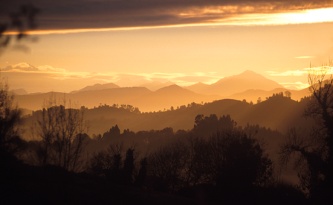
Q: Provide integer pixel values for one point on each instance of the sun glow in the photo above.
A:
(320, 15)
(300, 17)
(308, 16)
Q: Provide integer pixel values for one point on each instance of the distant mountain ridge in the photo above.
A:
(247, 85)
(143, 98)
(254, 94)
(237, 83)
(98, 87)
(155, 85)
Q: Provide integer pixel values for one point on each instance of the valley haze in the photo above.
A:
(166, 102)
(247, 85)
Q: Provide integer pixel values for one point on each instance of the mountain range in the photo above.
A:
(235, 84)
(247, 85)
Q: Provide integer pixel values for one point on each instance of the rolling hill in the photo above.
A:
(277, 113)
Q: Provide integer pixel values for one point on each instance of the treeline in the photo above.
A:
(217, 161)
(216, 167)
(278, 113)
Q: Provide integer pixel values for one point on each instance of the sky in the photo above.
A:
(132, 42)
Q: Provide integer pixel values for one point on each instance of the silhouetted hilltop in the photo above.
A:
(277, 112)
(172, 88)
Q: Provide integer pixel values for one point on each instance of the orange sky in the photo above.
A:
(278, 45)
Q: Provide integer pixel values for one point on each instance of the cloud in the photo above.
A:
(26, 67)
(324, 69)
(304, 57)
(295, 85)
(88, 14)
(20, 67)
(183, 79)
(48, 68)
(288, 73)
(46, 71)
(25, 75)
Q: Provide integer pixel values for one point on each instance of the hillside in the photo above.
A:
(237, 83)
(277, 112)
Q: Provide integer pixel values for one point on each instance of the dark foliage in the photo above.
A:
(314, 150)
(20, 21)
(215, 162)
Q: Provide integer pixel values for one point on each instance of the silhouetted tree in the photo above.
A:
(113, 132)
(129, 166)
(259, 100)
(206, 125)
(238, 161)
(196, 171)
(287, 93)
(10, 117)
(20, 22)
(99, 164)
(315, 151)
(62, 132)
(229, 160)
(167, 165)
(139, 181)
(308, 155)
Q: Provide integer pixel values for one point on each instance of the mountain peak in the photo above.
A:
(240, 83)
(170, 87)
(249, 72)
(174, 89)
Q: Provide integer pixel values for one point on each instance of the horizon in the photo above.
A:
(166, 102)
(200, 42)
(141, 81)
(124, 80)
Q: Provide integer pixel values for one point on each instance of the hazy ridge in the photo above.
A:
(247, 85)
(277, 113)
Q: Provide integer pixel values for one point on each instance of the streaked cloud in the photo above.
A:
(23, 75)
(304, 57)
(288, 73)
(303, 72)
(26, 67)
(295, 85)
(183, 79)
(89, 15)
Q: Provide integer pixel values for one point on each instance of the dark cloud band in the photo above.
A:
(64, 14)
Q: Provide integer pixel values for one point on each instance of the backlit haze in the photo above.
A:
(132, 43)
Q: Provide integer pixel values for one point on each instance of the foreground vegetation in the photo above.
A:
(217, 161)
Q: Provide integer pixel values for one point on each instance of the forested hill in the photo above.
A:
(277, 112)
